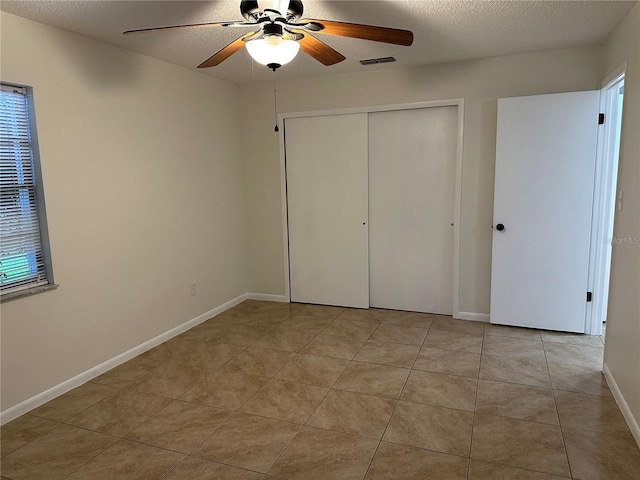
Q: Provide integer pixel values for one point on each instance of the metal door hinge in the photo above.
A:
(601, 119)
(589, 295)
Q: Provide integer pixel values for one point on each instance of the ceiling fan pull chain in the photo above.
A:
(275, 102)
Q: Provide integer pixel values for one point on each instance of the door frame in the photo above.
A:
(604, 199)
(459, 102)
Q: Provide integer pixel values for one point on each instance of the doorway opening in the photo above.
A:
(606, 201)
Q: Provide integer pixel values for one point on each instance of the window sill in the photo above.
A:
(27, 293)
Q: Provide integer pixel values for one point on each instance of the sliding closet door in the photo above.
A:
(326, 161)
(412, 167)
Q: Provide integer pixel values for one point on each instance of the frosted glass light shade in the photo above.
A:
(273, 50)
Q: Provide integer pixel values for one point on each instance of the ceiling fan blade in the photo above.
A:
(226, 52)
(356, 30)
(192, 25)
(319, 50)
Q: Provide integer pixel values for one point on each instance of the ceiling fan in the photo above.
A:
(281, 32)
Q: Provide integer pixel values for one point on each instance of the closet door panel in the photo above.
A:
(412, 168)
(327, 200)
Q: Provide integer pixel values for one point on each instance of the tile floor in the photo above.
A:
(306, 392)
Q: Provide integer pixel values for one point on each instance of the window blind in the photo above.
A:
(22, 264)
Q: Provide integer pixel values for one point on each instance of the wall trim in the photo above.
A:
(622, 404)
(613, 75)
(475, 317)
(266, 297)
(57, 390)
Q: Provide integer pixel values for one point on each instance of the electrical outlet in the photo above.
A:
(193, 288)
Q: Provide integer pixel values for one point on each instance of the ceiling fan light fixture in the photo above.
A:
(273, 50)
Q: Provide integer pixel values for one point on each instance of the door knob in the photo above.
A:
(500, 227)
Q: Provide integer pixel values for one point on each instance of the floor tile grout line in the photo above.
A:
(384, 432)
(311, 384)
(92, 458)
(249, 469)
(411, 370)
(174, 467)
(151, 445)
(556, 389)
(526, 469)
(271, 348)
(626, 435)
(511, 383)
(123, 390)
(555, 403)
(3, 455)
(366, 472)
(296, 434)
(342, 432)
(449, 352)
(475, 409)
(225, 463)
(78, 413)
(426, 449)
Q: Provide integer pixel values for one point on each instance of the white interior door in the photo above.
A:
(545, 164)
(326, 162)
(412, 168)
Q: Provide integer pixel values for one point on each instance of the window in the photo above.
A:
(24, 257)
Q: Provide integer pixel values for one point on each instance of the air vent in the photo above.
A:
(374, 61)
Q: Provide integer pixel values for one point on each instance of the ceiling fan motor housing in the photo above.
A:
(252, 10)
(272, 29)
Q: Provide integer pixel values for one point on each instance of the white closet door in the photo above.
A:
(326, 161)
(412, 167)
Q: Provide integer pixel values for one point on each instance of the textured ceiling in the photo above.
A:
(444, 31)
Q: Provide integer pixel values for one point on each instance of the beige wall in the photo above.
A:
(143, 186)
(622, 351)
(479, 82)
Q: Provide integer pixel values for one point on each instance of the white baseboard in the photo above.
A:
(53, 392)
(475, 317)
(265, 297)
(622, 404)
